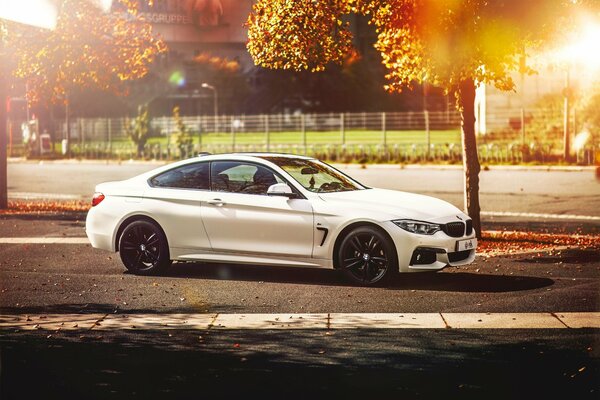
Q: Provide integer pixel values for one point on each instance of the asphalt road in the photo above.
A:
(502, 190)
(75, 277)
(37, 279)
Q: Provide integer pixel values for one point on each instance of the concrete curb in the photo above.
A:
(568, 168)
(331, 321)
(73, 161)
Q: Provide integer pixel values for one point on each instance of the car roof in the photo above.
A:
(268, 155)
(246, 156)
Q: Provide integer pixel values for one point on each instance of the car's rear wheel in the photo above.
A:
(367, 256)
(143, 248)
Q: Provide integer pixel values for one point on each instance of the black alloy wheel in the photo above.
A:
(367, 257)
(143, 248)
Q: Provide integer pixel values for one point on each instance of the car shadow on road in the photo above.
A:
(440, 281)
(570, 256)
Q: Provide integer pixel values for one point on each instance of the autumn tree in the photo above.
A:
(182, 135)
(591, 114)
(452, 44)
(87, 49)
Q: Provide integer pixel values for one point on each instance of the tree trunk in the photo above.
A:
(3, 133)
(466, 104)
(140, 149)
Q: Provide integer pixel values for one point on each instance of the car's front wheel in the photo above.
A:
(367, 256)
(143, 248)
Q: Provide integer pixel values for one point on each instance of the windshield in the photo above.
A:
(315, 175)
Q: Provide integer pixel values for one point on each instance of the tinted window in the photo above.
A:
(192, 176)
(240, 177)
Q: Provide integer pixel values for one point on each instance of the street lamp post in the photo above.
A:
(216, 102)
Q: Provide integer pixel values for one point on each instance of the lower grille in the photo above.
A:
(454, 229)
(459, 255)
(423, 257)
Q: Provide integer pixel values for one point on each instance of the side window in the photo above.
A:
(192, 176)
(240, 177)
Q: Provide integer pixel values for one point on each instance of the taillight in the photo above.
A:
(97, 199)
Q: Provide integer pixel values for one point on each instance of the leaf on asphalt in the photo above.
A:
(495, 242)
(45, 206)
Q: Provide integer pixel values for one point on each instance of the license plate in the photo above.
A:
(468, 244)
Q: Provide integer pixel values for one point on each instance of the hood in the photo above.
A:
(392, 204)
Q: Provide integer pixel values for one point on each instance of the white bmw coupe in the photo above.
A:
(275, 209)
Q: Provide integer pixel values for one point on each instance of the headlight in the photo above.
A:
(422, 228)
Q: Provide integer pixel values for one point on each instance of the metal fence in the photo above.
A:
(518, 136)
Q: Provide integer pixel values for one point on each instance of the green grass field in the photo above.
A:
(333, 138)
(324, 138)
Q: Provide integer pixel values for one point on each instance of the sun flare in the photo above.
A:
(583, 47)
(40, 13)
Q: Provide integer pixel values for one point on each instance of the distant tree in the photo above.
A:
(138, 130)
(183, 137)
(591, 114)
(88, 49)
(452, 44)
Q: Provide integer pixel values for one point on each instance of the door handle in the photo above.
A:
(216, 202)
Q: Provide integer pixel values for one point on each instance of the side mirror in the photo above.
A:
(281, 189)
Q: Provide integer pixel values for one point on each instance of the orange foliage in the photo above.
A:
(443, 42)
(44, 206)
(518, 242)
(217, 63)
(298, 34)
(88, 49)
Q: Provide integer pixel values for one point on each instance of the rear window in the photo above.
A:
(191, 176)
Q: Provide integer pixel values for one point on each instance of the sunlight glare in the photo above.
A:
(104, 5)
(40, 13)
(584, 47)
(580, 140)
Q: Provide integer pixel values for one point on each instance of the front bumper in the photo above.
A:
(436, 251)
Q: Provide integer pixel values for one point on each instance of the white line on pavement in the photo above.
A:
(117, 322)
(43, 196)
(44, 240)
(539, 215)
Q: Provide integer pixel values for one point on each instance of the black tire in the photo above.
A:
(143, 248)
(367, 257)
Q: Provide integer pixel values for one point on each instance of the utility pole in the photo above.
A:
(566, 133)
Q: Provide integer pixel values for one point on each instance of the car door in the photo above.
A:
(241, 217)
(174, 200)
